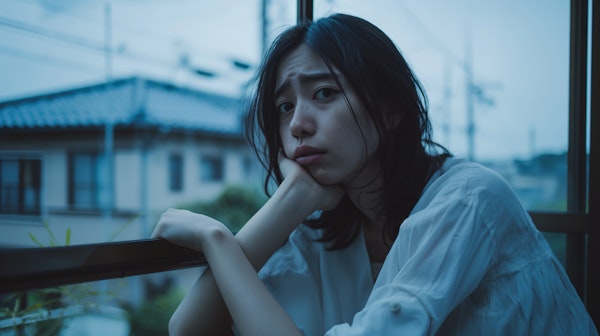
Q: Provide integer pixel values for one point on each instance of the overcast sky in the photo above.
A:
(519, 55)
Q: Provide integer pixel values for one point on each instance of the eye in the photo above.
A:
(324, 93)
(285, 107)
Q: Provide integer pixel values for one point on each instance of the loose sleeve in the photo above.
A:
(439, 257)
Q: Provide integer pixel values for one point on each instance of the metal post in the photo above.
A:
(593, 257)
(305, 10)
(576, 160)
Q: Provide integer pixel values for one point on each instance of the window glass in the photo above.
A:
(507, 80)
(88, 183)
(9, 176)
(558, 243)
(83, 174)
(176, 172)
(31, 186)
(20, 186)
(211, 169)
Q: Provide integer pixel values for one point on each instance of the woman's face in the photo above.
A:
(318, 129)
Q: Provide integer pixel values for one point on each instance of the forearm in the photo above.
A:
(268, 229)
(253, 308)
(203, 311)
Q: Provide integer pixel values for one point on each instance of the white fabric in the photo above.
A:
(467, 261)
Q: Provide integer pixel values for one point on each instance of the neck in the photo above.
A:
(366, 192)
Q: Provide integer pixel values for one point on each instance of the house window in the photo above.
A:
(176, 172)
(247, 166)
(87, 181)
(20, 186)
(211, 169)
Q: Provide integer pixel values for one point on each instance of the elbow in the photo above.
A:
(176, 328)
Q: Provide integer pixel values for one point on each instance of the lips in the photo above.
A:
(305, 155)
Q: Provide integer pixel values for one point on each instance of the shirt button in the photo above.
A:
(395, 307)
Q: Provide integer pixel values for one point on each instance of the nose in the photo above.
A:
(303, 123)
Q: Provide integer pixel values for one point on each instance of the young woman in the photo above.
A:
(397, 237)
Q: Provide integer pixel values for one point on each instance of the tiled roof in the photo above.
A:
(124, 102)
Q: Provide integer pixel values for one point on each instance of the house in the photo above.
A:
(100, 163)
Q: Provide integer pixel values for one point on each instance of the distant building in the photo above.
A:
(103, 161)
(540, 182)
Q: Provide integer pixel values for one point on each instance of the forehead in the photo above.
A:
(302, 60)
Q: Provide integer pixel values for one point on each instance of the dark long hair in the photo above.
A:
(390, 94)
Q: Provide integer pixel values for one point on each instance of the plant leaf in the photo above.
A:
(32, 237)
(54, 241)
(68, 237)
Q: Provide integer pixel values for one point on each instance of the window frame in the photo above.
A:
(96, 187)
(21, 185)
(216, 171)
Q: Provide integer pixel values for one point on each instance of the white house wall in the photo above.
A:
(161, 197)
(127, 180)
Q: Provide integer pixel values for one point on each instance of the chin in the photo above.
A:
(326, 178)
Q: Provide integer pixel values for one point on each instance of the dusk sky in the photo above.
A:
(519, 55)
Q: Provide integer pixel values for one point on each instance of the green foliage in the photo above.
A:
(233, 207)
(53, 241)
(31, 308)
(558, 244)
(152, 317)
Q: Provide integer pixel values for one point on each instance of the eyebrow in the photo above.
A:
(303, 78)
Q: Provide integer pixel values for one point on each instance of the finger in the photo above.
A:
(157, 230)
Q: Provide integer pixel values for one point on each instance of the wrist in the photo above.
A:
(298, 195)
(213, 236)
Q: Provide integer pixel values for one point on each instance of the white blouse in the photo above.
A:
(467, 261)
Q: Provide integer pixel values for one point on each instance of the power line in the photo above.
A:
(139, 32)
(474, 92)
(94, 45)
(46, 59)
(78, 41)
(106, 49)
(433, 39)
(71, 39)
(99, 21)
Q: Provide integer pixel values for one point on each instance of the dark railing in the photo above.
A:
(33, 268)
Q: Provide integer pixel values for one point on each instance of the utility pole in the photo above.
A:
(474, 93)
(108, 40)
(446, 102)
(264, 13)
(108, 188)
(470, 88)
(108, 198)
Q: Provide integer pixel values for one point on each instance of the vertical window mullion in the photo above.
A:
(21, 188)
(576, 176)
(593, 253)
